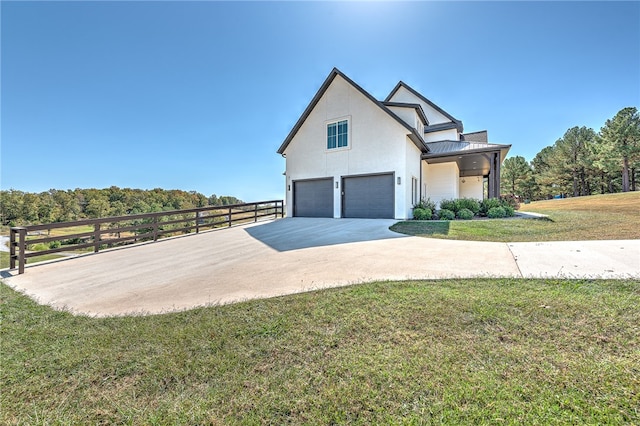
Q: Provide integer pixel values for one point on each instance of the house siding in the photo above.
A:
(377, 144)
(472, 187)
(442, 182)
(443, 135)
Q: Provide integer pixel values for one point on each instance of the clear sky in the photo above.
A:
(200, 95)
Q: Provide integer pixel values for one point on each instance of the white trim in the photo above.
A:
(346, 118)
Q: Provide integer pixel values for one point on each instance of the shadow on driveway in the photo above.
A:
(301, 232)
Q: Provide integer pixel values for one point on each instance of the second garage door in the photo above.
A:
(369, 197)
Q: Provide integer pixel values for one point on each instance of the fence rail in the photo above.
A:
(108, 231)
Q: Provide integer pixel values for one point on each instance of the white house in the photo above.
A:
(350, 155)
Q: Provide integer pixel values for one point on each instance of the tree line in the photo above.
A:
(24, 208)
(581, 162)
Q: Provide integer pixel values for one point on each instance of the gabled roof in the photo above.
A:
(417, 107)
(427, 101)
(413, 134)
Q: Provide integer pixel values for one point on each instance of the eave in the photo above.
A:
(471, 162)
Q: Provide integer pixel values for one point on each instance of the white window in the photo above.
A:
(338, 134)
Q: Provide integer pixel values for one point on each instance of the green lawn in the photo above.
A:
(4, 259)
(420, 352)
(598, 217)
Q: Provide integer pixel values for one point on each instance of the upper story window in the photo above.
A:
(337, 134)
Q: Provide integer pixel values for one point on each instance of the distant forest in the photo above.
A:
(582, 162)
(24, 208)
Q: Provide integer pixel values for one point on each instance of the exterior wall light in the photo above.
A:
(289, 187)
(336, 184)
(399, 181)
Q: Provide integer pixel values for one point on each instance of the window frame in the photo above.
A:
(335, 124)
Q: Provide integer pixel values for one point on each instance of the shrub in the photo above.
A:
(446, 214)
(426, 204)
(488, 204)
(464, 214)
(510, 201)
(450, 205)
(37, 247)
(468, 203)
(496, 212)
(54, 244)
(421, 214)
(509, 211)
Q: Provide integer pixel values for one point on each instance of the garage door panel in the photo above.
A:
(313, 198)
(368, 197)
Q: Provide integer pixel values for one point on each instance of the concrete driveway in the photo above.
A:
(295, 255)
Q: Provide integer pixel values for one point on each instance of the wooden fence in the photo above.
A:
(108, 231)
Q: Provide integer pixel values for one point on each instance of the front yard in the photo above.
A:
(419, 352)
(598, 217)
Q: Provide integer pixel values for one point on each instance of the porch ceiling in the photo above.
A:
(470, 162)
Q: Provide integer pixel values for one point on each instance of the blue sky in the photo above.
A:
(200, 95)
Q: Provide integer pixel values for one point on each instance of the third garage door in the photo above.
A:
(368, 196)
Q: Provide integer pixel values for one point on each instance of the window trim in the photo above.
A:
(336, 121)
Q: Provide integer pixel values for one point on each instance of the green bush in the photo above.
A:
(510, 201)
(446, 214)
(496, 212)
(421, 214)
(465, 214)
(38, 247)
(426, 204)
(488, 204)
(450, 205)
(468, 203)
(54, 244)
(509, 211)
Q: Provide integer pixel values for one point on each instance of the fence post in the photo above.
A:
(255, 212)
(22, 245)
(281, 208)
(96, 237)
(12, 248)
(229, 216)
(197, 222)
(155, 228)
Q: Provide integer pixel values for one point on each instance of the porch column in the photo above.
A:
(497, 173)
(494, 175)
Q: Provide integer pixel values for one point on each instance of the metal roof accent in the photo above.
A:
(413, 135)
(449, 147)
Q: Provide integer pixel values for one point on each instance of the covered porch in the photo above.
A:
(473, 162)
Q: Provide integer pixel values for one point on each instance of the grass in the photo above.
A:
(4, 259)
(597, 217)
(419, 352)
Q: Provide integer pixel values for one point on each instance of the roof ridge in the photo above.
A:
(422, 97)
(417, 139)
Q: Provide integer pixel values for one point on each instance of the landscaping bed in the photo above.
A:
(598, 217)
